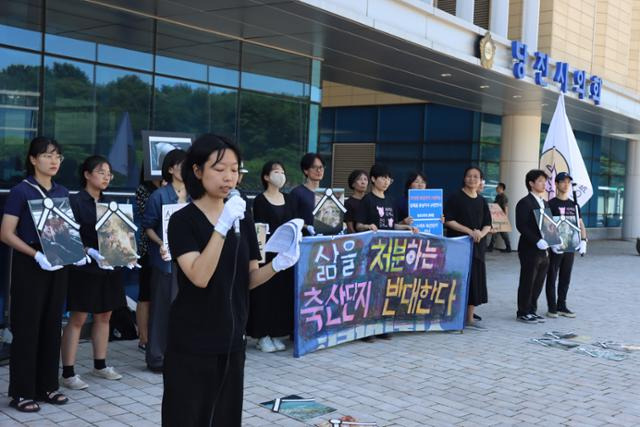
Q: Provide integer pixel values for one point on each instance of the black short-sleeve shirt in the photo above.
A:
(563, 207)
(472, 213)
(377, 211)
(201, 319)
(352, 205)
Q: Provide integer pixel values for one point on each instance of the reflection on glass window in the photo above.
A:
(19, 97)
(223, 111)
(181, 106)
(20, 23)
(20, 37)
(70, 47)
(129, 58)
(272, 71)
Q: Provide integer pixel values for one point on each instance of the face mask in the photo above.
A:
(277, 179)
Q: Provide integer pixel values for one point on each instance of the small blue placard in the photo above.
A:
(425, 207)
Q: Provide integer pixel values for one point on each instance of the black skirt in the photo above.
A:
(478, 283)
(89, 292)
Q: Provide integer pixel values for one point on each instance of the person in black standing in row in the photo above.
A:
(37, 287)
(303, 197)
(561, 263)
(143, 192)
(532, 248)
(502, 201)
(415, 181)
(93, 288)
(467, 214)
(271, 305)
(204, 363)
(358, 181)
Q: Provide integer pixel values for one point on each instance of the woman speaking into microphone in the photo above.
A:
(217, 266)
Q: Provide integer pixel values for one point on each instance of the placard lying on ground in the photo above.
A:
(354, 286)
(425, 207)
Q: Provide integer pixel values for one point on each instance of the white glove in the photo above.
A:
(311, 230)
(84, 261)
(233, 210)
(542, 245)
(583, 247)
(133, 265)
(44, 263)
(283, 261)
(99, 259)
(556, 249)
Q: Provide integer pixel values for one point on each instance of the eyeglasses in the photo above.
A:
(317, 168)
(52, 156)
(107, 175)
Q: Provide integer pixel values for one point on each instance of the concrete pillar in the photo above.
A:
(530, 23)
(464, 9)
(520, 152)
(631, 214)
(499, 17)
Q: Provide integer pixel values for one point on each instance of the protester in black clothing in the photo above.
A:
(415, 181)
(93, 288)
(502, 201)
(561, 263)
(532, 248)
(358, 181)
(271, 305)
(303, 197)
(216, 268)
(467, 214)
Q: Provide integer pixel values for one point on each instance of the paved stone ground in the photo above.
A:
(440, 379)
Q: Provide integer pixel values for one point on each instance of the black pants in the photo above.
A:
(164, 288)
(37, 297)
(191, 384)
(505, 238)
(559, 264)
(533, 271)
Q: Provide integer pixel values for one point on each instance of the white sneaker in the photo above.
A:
(266, 345)
(107, 373)
(74, 383)
(279, 345)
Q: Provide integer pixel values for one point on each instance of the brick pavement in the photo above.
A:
(434, 379)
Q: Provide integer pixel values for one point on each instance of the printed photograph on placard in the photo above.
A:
(167, 211)
(60, 241)
(116, 238)
(298, 408)
(157, 145)
(569, 232)
(499, 220)
(262, 230)
(548, 227)
(328, 217)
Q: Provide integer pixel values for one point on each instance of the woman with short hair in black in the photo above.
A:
(37, 287)
(216, 266)
(271, 305)
(93, 288)
(415, 181)
(467, 214)
(358, 181)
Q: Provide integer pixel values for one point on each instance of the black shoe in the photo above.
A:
(566, 312)
(538, 318)
(505, 251)
(475, 316)
(527, 318)
(155, 369)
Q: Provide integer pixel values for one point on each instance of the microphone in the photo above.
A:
(236, 224)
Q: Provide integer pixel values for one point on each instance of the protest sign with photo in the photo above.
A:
(116, 233)
(425, 207)
(156, 145)
(569, 232)
(167, 211)
(262, 230)
(328, 214)
(548, 226)
(499, 220)
(353, 286)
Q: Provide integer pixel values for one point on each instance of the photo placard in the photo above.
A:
(156, 145)
(116, 233)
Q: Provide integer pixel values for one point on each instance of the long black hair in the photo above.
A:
(412, 177)
(89, 164)
(40, 145)
(173, 158)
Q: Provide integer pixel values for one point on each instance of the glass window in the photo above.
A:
(356, 124)
(127, 57)
(123, 104)
(273, 71)
(401, 123)
(181, 106)
(272, 128)
(448, 124)
(19, 98)
(69, 112)
(20, 23)
(223, 111)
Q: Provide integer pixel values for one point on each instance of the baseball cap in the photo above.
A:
(562, 176)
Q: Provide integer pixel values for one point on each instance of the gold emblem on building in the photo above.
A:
(487, 50)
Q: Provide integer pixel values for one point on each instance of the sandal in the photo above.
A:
(24, 405)
(55, 398)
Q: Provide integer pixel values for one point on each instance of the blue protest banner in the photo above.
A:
(353, 286)
(425, 207)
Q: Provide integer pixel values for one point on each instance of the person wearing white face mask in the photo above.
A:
(271, 305)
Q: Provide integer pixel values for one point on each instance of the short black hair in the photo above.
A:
(471, 168)
(412, 177)
(533, 175)
(354, 175)
(89, 164)
(307, 161)
(39, 145)
(501, 184)
(379, 170)
(266, 170)
(198, 154)
(173, 157)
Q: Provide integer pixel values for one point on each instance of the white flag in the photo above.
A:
(560, 153)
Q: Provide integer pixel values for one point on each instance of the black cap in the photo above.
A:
(562, 176)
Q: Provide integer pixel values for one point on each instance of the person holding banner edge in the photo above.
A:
(467, 214)
(37, 287)
(561, 263)
(358, 181)
(216, 267)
